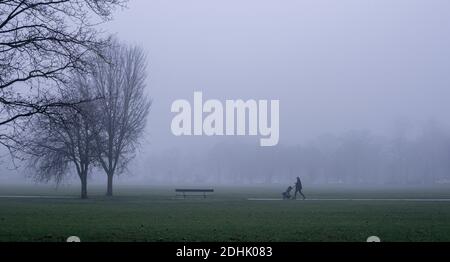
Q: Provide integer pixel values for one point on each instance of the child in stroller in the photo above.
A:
(287, 193)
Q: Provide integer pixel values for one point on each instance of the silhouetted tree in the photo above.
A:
(62, 141)
(123, 109)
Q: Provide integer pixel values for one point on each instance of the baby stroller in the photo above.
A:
(287, 194)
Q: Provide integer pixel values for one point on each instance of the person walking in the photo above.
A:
(298, 189)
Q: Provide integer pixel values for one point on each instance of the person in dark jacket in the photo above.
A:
(298, 189)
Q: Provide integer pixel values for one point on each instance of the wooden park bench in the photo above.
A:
(193, 192)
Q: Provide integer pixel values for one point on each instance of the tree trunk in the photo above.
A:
(109, 190)
(83, 186)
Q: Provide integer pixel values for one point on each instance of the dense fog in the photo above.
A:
(364, 90)
(354, 157)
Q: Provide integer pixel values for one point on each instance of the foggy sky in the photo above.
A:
(334, 65)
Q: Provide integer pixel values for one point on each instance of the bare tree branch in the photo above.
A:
(42, 44)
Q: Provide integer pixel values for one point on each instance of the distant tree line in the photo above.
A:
(355, 157)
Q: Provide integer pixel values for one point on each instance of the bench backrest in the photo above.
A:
(193, 190)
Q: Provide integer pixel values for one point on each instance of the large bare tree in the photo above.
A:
(62, 141)
(42, 43)
(123, 109)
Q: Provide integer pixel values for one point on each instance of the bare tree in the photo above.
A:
(63, 140)
(42, 43)
(123, 109)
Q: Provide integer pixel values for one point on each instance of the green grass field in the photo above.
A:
(153, 214)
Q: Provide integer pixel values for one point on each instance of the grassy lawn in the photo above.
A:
(153, 214)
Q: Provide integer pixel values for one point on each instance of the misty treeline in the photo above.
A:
(355, 157)
(71, 100)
